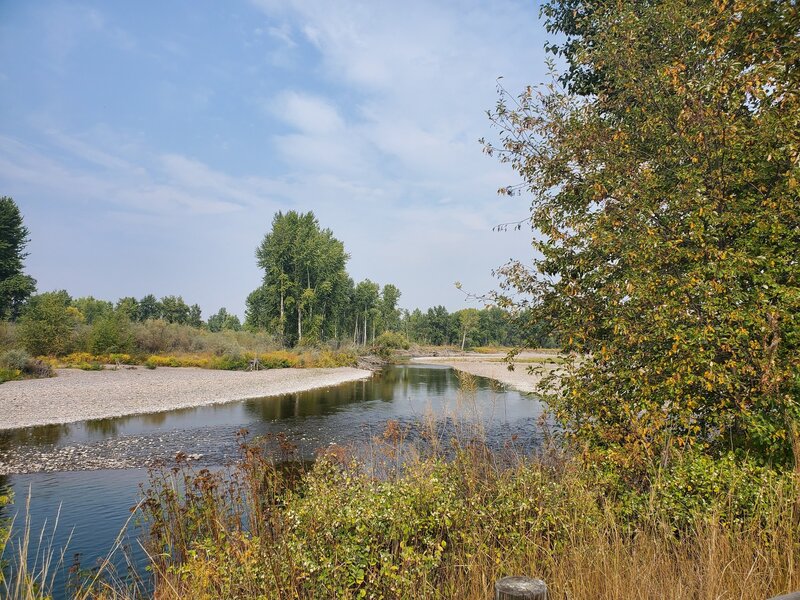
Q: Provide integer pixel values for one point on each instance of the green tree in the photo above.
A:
(47, 324)
(129, 306)
(365, 298)
(92, 309)
(223, 320)
(111, 333)
(665, 196)
(195, 318)
(468, 319)
(258, 313)
(389, 313)
(15, 286)
(149, 308)
(175, 310)
(304, 275)
(439, 327)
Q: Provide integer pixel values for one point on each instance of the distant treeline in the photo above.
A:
(306, 298)
(55, 323)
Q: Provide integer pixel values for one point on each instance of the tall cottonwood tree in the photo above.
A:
(664, 177)
(304, 278)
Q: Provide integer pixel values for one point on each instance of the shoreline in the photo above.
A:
(76, 395)
(491, 366)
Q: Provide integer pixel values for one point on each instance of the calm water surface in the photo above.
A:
(88, 473)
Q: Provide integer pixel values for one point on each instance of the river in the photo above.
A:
(88, 474)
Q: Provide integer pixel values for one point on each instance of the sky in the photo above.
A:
(148, 145)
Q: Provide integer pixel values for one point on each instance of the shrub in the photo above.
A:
(48, 324)
(19, 362)
(446, 528)
(9, 374)
(391, 340)
(14, 359)
(111, 333)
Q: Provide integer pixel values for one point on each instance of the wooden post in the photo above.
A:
(520, 588)
(792, 596)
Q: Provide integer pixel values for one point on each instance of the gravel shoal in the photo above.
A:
(492, 366)
(76, 395)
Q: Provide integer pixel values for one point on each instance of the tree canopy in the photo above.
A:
(15, 286)
(663, 167)
(304, 278)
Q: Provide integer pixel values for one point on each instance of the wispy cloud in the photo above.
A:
(174, 184)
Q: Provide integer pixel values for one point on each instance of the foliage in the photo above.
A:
(14, 359)
(92, 309)
(304, 277)
(6, 498)
(447, 528)
(16, 364)
(48, 324)
(9, 374)
(306, 296)
(664, 182)
(15, 287)
(223, 320)
(111, 333)
(388, 341)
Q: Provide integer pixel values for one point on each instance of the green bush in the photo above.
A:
(111, 333)
(14, 359)
(20, 362)
(695, 484)
(232, 361)
(9, 374)
(48, 324)
(388, 341)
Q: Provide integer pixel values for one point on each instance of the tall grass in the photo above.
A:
(436, 526)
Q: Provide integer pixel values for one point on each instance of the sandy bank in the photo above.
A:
(80, 395)
(493, 367)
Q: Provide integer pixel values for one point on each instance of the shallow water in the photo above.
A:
(93, 469)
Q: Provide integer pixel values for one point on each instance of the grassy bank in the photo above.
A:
(441, 527)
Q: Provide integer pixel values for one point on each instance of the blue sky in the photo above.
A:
(149, 144)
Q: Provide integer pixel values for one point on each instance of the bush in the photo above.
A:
(9, 374)
(19, 362)
(392, 341)
(48, 324)
(111, 333)
(446, 528)
(14, 359)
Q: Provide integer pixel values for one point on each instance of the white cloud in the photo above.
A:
(307, 113)
(175, 185)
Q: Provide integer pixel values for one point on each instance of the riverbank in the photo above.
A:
(494, 367)
(77, 395)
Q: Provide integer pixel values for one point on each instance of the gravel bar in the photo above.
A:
(492, 366)
(76, 395)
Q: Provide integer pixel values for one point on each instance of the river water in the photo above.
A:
(87, 474)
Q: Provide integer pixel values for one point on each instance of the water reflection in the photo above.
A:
(45, 434)
(345, 413)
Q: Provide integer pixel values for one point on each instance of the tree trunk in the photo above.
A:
(299, 323)
(283, 332)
